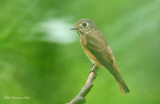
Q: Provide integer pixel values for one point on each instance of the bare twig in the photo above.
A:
(80, 98)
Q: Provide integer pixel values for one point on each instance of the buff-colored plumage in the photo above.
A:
(97, 49)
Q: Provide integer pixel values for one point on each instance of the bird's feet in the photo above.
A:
(94, 69)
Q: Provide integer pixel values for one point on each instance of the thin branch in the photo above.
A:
(80, 98)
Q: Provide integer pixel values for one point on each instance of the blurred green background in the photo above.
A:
(41, 58)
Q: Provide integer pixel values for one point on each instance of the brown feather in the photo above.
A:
(99, 52)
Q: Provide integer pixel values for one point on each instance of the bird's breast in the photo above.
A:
(92, 58)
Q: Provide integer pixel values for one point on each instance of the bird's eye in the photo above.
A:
(85, 24)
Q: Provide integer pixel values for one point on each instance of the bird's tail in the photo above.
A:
(122, 85)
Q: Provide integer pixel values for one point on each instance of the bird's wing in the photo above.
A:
(100, 49)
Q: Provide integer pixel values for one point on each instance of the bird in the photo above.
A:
(97, 49)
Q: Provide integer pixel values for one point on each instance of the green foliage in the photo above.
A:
(37, 62)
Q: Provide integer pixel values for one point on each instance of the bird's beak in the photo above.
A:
(74, 28)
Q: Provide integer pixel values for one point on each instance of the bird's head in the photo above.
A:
(84, 26)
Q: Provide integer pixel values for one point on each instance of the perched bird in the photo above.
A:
(97, 49)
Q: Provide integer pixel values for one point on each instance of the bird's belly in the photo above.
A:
(92, 58)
